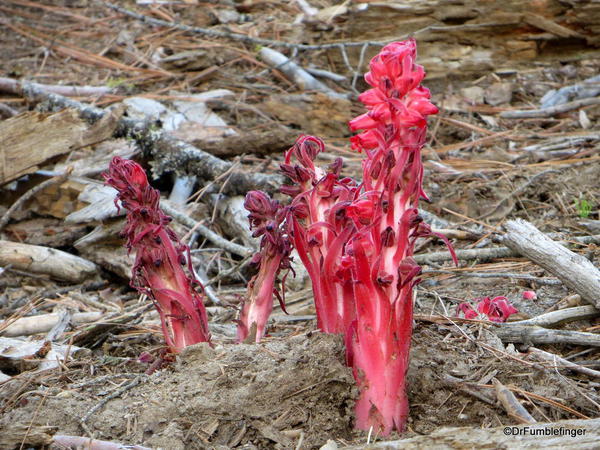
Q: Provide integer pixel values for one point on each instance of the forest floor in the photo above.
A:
(482, 169)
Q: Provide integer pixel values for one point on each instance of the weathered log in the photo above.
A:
(45, 260)
(30, 139)
(471, 37)
(572, 269)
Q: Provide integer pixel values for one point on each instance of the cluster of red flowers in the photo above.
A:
(356, 240)
(497, 309)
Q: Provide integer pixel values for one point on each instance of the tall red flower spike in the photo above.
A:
(161, 259)
(384, 272)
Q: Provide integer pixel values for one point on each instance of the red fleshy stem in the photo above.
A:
(266, 219)
(161, 259)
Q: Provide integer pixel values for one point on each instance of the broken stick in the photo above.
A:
(45, 260)
(572, 269)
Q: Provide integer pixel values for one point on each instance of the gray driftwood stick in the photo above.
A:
(570, 435)
(572, 269)
(561, 363)
(169, 153)
(561, 316)
(537, 335)
(550, 111)
(47, 261)
(26, 326)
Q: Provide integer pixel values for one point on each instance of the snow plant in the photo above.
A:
(266, 221)
(162, 269)
(497, 309)
(356, 239)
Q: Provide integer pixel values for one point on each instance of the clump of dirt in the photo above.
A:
(255, 396)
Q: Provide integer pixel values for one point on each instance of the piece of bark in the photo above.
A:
(44, 260)
(587, 435)
(19, 434)
(26, 326)
(575, 271)
(32, 138)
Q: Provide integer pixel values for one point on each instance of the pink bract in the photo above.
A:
(497, 309)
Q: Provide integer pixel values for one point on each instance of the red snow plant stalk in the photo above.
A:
(161, 259)
(266, 220)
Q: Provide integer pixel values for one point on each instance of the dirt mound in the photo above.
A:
(255, 396)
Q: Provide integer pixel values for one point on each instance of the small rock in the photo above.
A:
(141, 108)
(227, 15)
(473, 94)
(330, 445)
(498, 93)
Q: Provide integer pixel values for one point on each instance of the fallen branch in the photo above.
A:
(512, 332)
(472, 389)
(562, 316)
(258, 142)
(45, 260)
(585, 89)
(26, 326)
(561, 363)
(206, 232)
(511, 405)
(550, 111)
(572, 269)
(12, 86)
(168, 153)
(516, 276)
(482, 254)
(294, 72)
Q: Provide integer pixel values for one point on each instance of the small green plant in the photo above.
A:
(583, 207)
(118, 82)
